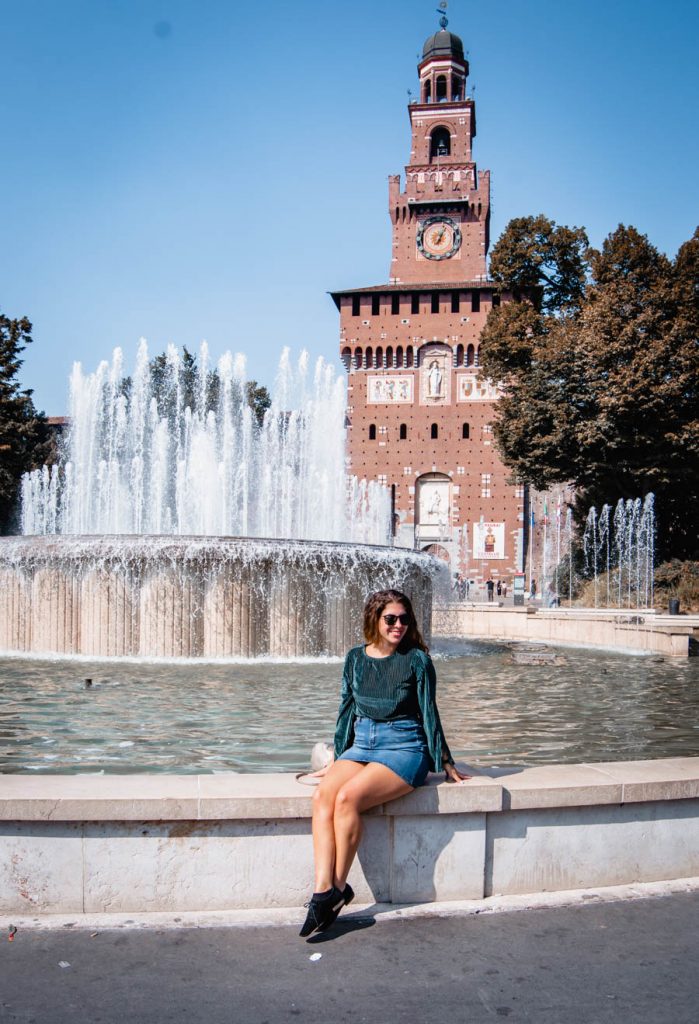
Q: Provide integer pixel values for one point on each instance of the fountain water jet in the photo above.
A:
(179, 452)
(629, 532)
(174, 525)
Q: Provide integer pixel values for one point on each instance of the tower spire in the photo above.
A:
(443, 20)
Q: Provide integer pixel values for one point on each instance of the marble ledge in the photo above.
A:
(612, 782)
(280, 796)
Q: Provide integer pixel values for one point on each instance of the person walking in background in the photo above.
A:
(388, 737)
(490, 587)
(499, 589)
(532, 590)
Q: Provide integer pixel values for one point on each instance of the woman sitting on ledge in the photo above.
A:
(388, 737)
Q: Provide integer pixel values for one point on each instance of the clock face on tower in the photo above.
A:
(438, 238)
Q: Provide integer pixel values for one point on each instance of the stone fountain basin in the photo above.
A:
(637, 632)
(177, 844)
(189, 597)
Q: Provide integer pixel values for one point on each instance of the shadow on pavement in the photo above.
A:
(342, 927)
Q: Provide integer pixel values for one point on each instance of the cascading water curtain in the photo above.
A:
(177, 450)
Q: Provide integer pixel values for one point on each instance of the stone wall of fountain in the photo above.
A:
(196, 597)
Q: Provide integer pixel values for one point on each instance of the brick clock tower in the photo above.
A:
(419, 411)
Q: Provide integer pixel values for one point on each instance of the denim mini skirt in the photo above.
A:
(399, 745)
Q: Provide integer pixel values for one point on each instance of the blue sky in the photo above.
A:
(198, 169)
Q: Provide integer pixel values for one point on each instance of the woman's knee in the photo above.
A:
(323, 801)
(346, 801)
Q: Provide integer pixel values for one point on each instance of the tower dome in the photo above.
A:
(443, 44)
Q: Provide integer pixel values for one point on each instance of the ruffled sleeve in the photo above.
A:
(344, 729)
(427, 700)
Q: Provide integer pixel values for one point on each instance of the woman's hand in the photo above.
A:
(453, 774)
(320, 773)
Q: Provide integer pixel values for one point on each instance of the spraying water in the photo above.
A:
(618, 548)
(622, 545)
(180, 452)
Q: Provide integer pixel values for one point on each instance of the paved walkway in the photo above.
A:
(630, 962)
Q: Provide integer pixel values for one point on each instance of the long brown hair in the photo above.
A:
(373, 611)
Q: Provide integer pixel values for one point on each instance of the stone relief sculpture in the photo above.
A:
(473, 388)
(434, 503)
(434, 380)
(385, 390)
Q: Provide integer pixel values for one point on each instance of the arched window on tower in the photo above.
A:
(403, 432)
(358, 359)
(379, 357)
(465, 432)
(372, 431)
(440, 143)
(441, 88)
(347, 358)
(470, 355)
(459, 355)
(457, 87)
(369, 357)
(427, 92)
(399, 357)
(434, 432)
(389, 357)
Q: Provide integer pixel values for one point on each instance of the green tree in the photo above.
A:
(165, 383)
(258, 399)
(165, 386)
(604, 394)
(540, 259)
(25, 438)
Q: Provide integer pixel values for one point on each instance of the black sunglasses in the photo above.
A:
(391, 620)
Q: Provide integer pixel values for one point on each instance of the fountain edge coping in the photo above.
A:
(280, 795)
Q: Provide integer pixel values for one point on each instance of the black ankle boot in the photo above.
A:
(347, 897)
(323, 908)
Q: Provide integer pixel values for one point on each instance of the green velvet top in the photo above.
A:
(399, 686)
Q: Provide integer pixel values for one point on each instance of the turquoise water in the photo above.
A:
(265, 716)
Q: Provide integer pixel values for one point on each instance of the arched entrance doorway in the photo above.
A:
(437, 551)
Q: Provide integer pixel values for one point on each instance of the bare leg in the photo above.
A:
(374, 784)
(338, 775)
